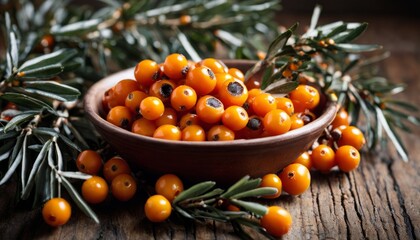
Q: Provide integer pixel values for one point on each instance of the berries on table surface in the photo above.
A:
(277, 221)
(56, 212)
(295, 179)
(157, 208)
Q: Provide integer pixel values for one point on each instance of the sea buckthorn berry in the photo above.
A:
(143, 126)
(108, 100)
(253, 129)
(188, 120)
(287, 73)
(120, 116)
(254, 92)
(215, 65)
(162, 89)
(168, 132)
(185, 20)
(56, 212)
(151, 108)
(304, 97)
(235, 118)
(236, 73)
(220, 133)
(295, 178)
(183, 98)
(271, 180)
(175, 66)
(169, 186)
(323, 158)
(277, 221)
(114, 167)
(285, 104)
(220, 79)
(263, 103)
(123, 187)
(305, 160)
(169, 116)
(202, 79)
(209, 109)
(277, 122)
(297, 121)
(134, 99)
(89, 162)
(146, 72)
(157, 208)
(94, 190)
(193, 133)
(352, 136)
(342, 118)
(233, 92)
(347, 158)
(233, 208)
(122, 89)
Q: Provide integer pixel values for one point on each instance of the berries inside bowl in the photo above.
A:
(201, 121)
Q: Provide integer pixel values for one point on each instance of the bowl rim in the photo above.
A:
(92, 109)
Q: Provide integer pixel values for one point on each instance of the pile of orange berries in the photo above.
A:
(197, 101)
(339, 148)
(116, 178)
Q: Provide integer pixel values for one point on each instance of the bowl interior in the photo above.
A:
(224, 162)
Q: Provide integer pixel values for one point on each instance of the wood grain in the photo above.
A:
(381, 200)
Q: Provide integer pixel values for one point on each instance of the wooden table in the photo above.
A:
(381, 200)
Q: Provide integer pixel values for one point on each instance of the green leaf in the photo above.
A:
(210, 194)
(57, 57)
(6, 150)
(76, 28)
(392, 135)
(194, 191)
(280, 41)
(183, 212)
(253, 207)
(188, 47)
(69, 143)
(283, 88)
(52, 90)
(20, 119)
(26, 101)
(341, 28)
(14, 49)
(235, 186)
(12, 168)
(353, 34)
(394, 113)
(39, 159)
(268, 72)
(257, 192)
(356, 48)
(45, 131)
(10, 134)
(43, 72)
(79, 200)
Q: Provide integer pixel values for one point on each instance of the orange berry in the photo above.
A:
(94, 190)
(272, 180)
(323, 158)
(120, 116)
(352, 136)
(56, 212)
(169, 186)
(347, 158)
(89, 162)
(202, 79)
(277, 122)
(175, 66)
(151, 108)
(233, 92)
(209, 109)
(183, 98)
(143, 126)
(295, 178)
(168, 132)
(193, 133)
(277, 221)
(220, 133)
(146, 72)
(235, 118)
(114, 167)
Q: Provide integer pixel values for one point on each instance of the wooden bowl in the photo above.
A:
(224, 162)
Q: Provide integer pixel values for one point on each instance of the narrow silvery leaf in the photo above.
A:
(53, 89)
(73, 28)
(14, 49)
(356, 48)
(232, 188)
(12, 168)
(391, 134)
(19, 119)
(253, 207)
(31, 179)
(194, 191)
(257, 192)
(188, 47)
(24, 161)
(26, 101)
(77, 175)
(59, 56)
(79, 200)
(43, 72)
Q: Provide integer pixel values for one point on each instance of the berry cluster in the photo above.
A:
(197, 101)
(116, 178)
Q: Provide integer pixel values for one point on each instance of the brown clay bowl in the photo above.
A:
(224, 162)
